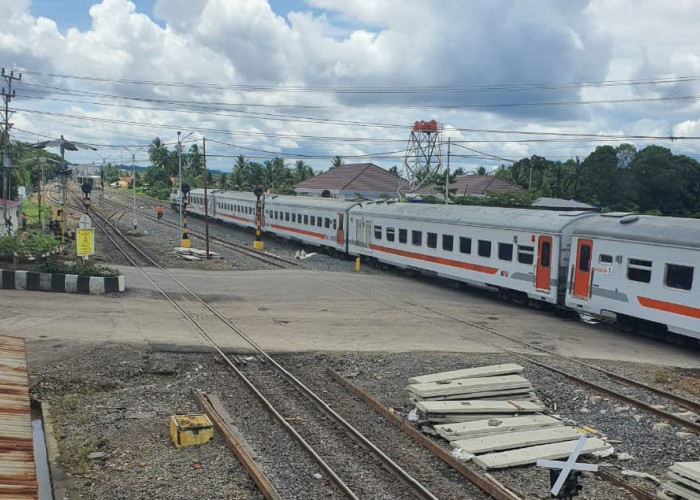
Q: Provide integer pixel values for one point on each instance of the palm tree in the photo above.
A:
(195, 162)
(337, 161)
(301, 172)
(240, 172)
(158, 154)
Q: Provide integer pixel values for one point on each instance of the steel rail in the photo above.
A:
(666, 415)
(256, 254)
(419, 490)
(497, 491)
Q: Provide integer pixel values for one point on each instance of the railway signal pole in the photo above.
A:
(206, 200)
(258, 243)
(185, 243)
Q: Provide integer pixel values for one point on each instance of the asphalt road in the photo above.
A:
(309, 311)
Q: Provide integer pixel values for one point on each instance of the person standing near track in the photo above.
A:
(159, 211)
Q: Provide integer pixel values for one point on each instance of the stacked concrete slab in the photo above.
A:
(493, 416)
(684, 481)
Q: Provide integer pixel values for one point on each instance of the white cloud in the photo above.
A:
(407, 44)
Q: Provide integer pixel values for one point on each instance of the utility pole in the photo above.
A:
(447, 175)
(7, 96)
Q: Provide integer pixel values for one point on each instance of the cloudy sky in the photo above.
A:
(317, 78)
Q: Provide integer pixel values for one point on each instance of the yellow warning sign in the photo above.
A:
(85, 242)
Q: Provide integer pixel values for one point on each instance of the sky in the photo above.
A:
(314, 79)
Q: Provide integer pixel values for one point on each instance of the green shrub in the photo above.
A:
(28, 245)
(88, 268)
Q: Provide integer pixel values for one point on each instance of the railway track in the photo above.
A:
(658, 402)
(266, 257)
(361, 471)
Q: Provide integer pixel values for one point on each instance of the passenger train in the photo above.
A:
(637, 270)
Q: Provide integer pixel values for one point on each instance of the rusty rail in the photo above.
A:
(253, 469)
(497, 491)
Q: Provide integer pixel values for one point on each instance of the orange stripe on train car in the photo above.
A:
(242, 219)
(671, 307)
(437, 260)
(320, 236)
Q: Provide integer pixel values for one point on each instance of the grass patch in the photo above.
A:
(74, 454)
(676, 381)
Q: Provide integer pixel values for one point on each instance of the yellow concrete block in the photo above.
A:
(189, 430)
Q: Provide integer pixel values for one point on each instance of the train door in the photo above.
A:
(341, 231)
(582, 269)
(363, 230)
(544, 263)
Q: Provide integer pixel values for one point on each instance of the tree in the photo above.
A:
(274, 174)
(240, 173)
(223, 181)
(195, 162)
(158, 154)
(301, 172)
(394, 170)
(337, 161)
(604, 184)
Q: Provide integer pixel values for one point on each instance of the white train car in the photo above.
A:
(515, 251)
(315, 221)
(235, 207)
(195, 204)
(638, 266)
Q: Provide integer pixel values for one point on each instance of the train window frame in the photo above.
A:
(416, 238)
(448, 242)
(585, 258)
(286, 216)
(641, 270)
(431, 240)
(335, 224)
(319, 221)
(377, 232)
(483, 249)
(465, 245)
(678, 282)
(306, 219)
(327, 222)
(403, 235)
(526, 254)
(505, 251)
(390, 234)
(312, 220)
(294, 216)
(546, 254)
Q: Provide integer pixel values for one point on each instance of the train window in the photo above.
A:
(334, 224)
(505, 251)
(417, 238)
(526, 254)
(294, 217)
(403, 236)
(484, 249)
(605, 258)
(639, 270)
(680, 277)
(432, 240)
(313, 220)
(327, 222)
(286, 216)
(319, 221)
(447, 242)
(306, 219)
(546, 247)
(465, 244)
(377, 232)
(276, 216)
(390, 234)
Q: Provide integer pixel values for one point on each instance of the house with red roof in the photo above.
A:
(358, 180)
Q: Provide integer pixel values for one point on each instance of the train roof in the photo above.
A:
(669, 231)
(547, 221)
(310, 201)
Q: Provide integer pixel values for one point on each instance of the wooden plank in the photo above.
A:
(520, 439)
(684, 481)
(530, 455)
(471, 407)
(480, 371)
(470, 385)
(524, 393)
(681, 491)
(690, 470)
(499, 425)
